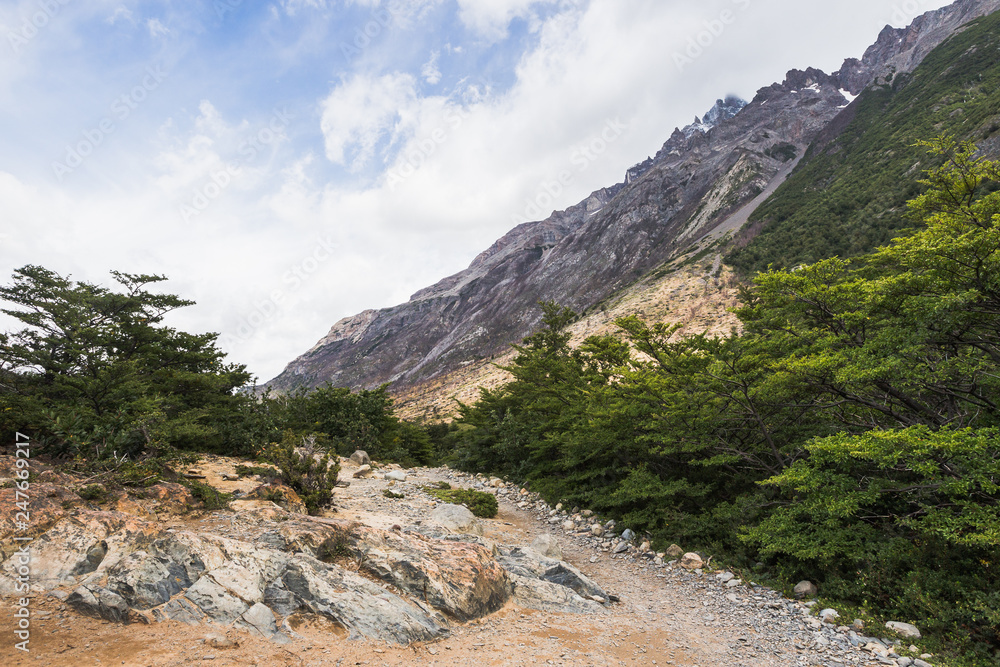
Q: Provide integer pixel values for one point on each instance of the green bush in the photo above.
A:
(253, 471)
(306, 467)
(212, 498)
(94, 492)
(389, 493)
(479, 503)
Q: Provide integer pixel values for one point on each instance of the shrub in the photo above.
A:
(94, 492)
(481, 504)
(303, 468)
(212, 498)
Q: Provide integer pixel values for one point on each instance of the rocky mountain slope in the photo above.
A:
(676, 206)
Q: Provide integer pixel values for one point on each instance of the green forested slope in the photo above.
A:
(848, 196)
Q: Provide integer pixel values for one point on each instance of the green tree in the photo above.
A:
(96, 373)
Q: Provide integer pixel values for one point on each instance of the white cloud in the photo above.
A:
(430, 70)
(491, 18)
(156, 28)
(362, 112)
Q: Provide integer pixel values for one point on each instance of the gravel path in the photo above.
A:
(663, 615)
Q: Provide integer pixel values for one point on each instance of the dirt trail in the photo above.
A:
(664, 617)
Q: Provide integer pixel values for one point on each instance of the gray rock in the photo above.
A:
(828, 615)
(628, 535)
(396, 475)
(568, 526)
(259, 618)
(904, 661)
(456, 518)
(363, 471)
(917, 662)
(597, 530)
(725, 577)
(904, 629)
(805, 589)
(621, 547)
(360, 458)
(548, 546)
(100, 602)
(217, 602)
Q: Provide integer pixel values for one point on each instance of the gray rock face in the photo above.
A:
(900, 50)
(548, 546)
(150, 573)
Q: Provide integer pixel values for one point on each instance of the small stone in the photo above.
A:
(644, 547)
(904, 629)
(733, 583)
(691, 561)
(858, 625)
(828, 615)
(628, 535)
(673, 551)
(919, 662)
(904, 662)
(587, 513)
(559, 507)
(621, 547)
(568, 526)
(216, 640)
(597, 530)
(805, 589)
(363, 471)
(396, 475)
(725, 577)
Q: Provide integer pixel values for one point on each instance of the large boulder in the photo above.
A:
(456, 518)
(360, 458)
(691, 561)
(805, 589)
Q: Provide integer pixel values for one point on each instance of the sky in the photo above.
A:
(290, 163)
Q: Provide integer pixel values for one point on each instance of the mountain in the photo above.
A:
(850, 194)
(676, 207)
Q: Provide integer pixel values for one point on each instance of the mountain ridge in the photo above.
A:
(666, 209)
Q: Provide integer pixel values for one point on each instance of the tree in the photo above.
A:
(96, 373)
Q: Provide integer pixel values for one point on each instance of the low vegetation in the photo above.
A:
(480, 503)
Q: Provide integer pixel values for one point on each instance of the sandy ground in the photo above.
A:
(655, 623)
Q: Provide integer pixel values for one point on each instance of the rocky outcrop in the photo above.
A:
(394, 585)
(900, 50)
